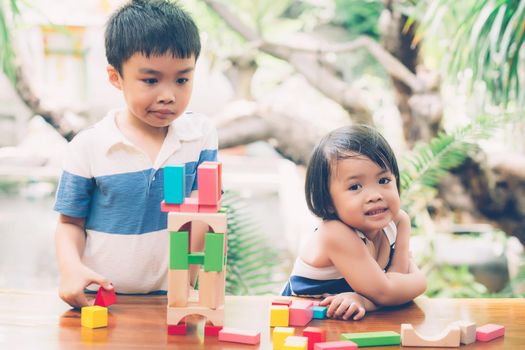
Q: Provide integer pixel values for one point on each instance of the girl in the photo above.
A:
(359, 253)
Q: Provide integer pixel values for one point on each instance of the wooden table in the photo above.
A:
(31, 320)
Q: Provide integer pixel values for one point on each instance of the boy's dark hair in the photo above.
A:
(150, 27)
(340, 144)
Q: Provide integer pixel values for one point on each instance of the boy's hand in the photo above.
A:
(344, 305)
(72, 285)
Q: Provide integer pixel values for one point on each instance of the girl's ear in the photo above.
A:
(114, 77)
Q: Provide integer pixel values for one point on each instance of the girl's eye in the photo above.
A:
(150, 81)
(384, 180)
(182, 81)
(355, 187)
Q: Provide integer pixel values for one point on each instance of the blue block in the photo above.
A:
(174, 184)
(320, 312)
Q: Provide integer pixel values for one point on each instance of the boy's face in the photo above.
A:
(157, 89)
(365, 196)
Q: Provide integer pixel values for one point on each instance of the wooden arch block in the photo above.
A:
(449, 337)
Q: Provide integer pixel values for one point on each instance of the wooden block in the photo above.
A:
(105, 298)
(286, 302)
(213, 252)
(179, 248)
(167, 208)
(314, 335)
(190, 205)
(336, 345)
(319, 312)
(295, 343)
(179, 329)
(211, 288)
(217, 221)
(206, 208)
(235, 335)
(315, 302)
(279, 335)
(174, 184)
(489, 331)
(208, 183)
(279, 315)
(449, 337)
(178, 287)
(176, 314)
(301, 312)
(196, 258)
(211, 331)
(467, 330)
(94, 316)
(372, 338)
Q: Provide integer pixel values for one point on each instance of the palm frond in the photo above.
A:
(253, 263)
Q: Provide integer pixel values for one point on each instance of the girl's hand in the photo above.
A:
(344, 305)
(72, 285)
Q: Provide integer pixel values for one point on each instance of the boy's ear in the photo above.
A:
(114, 77)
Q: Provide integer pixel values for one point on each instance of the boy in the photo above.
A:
(111, 231)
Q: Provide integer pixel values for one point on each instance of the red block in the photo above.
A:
(314, 335)
(208, 183)
(336, 345)
(208, 208)
(177, 329)
(286, 302)
(166, 208)
(105, 298)
(301, 312)
(211, 331)
(242, 336)
(489, 331)
(190, 205)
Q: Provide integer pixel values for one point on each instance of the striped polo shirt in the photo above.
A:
(117, 188)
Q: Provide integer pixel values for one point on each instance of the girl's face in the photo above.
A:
(365, 196)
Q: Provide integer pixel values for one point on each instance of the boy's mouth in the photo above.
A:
(376, 211)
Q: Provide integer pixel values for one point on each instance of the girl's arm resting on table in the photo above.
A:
(401, 260)
(70, 239)
(348, 253)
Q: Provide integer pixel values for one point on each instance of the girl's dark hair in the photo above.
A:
(340, 144)
(150, 27)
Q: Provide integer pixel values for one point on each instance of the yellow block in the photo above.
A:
(296, 343)
(279, 335)
(94, 316)
(279, 316)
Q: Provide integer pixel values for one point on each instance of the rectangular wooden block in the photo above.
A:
(212, 331)
(211, 288)
(177, 329)
(213, 252)
(279, 316)
(179, 247)
(94, 316)
(295, 343)
(190, 205)
(286, 302)
(174, 184)
(242, 336)
(217, 221)
(301, 312)
(319, 312)
(314, 335)
(373, 338)
(336, 345)
(178, 287)
(167, 208)
(208, 183)
(196, 258)
(489, 331)
(279, 334)
(468, 331)
(176, 315)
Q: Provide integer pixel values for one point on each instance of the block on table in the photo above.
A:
(279, 316)
(94, 316)
(279, 335)
(373, 338)
(449, 337)
(489, 331)
(467, 330)
(319, 312)
(336, 345)
(314, 335)
(235, 335)
(301, 312)
(105, 298)
(295, 343)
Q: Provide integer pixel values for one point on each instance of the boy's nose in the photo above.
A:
(166, 97)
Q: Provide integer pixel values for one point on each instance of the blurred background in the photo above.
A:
(441, 79)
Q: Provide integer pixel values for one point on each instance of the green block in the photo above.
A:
(179, 243)
(213, 252)
(196, 258)
(373, 338)
(174, 184)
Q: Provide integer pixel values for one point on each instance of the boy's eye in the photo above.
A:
(384, 180)
(355, 187)
(150, 81)
(182, 81)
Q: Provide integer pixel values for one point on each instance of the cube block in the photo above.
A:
(319, 312)
(279, 316)
(94, 316)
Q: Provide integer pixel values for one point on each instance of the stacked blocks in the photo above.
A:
(279, 335)
(315, 335)
(181, 211)
(287, 312)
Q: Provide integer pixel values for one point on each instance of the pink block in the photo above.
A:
(286, 302)
(166, 208)
(316, 303)
(190, 205)
(336, 345)
(315, 335)
(211, 331)
(489, 331)
(208, 208)
(105, 298)
(301, 312)
(179, 329)
(208, 183)
(242, 336)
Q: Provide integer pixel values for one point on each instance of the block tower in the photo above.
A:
(209, 301)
